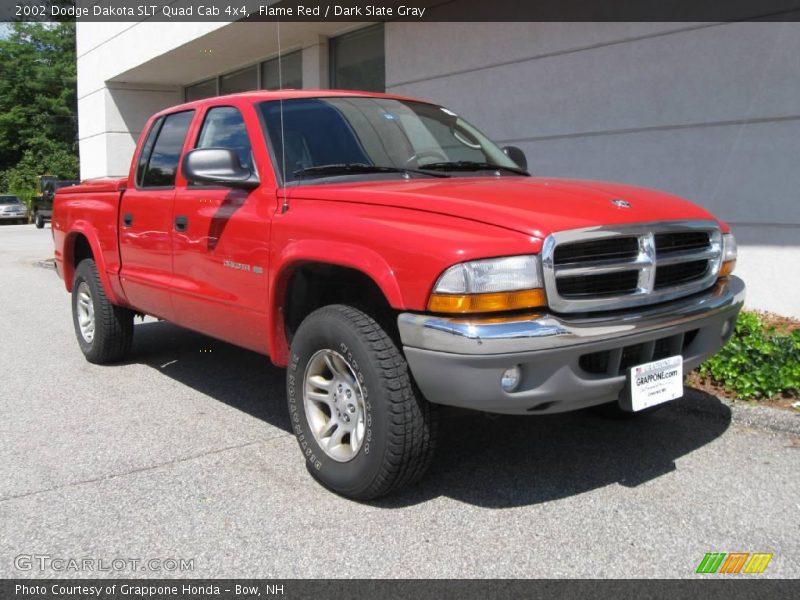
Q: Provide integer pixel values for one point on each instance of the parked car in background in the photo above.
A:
(12, 209)
(42, 205)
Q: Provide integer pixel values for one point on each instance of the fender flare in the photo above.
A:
(84, 228)
(340, 254)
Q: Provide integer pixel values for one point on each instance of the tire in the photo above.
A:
(392, 432)
(38, 220)
(110, 337)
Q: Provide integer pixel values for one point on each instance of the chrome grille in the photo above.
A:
(609, 268)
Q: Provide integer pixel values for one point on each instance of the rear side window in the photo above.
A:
(224, 128)
(161, 162)
(147, 149)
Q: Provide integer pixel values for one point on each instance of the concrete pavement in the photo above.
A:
(183, 452)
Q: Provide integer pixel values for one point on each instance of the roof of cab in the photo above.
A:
(286, 94)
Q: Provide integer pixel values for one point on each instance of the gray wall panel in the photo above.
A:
(723, 73)
(707, 111)
(743, 173)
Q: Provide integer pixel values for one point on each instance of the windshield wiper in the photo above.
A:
(357, 168)
(470, 165)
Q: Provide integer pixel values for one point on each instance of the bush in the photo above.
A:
(758, 362)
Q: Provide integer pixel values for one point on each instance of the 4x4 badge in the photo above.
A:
(620, 203)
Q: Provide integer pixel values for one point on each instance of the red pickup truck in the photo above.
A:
(394, 259)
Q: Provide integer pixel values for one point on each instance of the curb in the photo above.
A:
(754, 416)
(764, 417)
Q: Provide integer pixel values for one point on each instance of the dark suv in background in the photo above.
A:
(42, 205)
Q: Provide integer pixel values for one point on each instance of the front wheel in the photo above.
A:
(104, 331)
(362, 428)
(38, 220)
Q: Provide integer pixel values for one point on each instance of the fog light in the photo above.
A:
(511, 378)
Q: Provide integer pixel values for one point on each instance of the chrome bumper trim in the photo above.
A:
(544, 331)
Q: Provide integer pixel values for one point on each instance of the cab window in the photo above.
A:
(224, 127)
(162, 160)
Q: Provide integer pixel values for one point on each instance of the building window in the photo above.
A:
(358, 60)
(204, 89)
(291, 76)
(239, 81)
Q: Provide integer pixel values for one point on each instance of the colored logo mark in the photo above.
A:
(734, 562)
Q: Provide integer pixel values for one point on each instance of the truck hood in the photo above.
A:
(534, 206)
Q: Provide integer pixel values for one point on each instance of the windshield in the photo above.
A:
(9, 200)
(352, 134)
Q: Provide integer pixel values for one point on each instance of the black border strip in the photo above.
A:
(710, 587)
(397, 10)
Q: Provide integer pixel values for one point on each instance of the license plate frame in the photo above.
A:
(653, 383)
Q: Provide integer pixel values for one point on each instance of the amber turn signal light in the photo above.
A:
(727, 268)
(483, 303)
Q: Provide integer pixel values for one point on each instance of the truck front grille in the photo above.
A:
(609, 268)
(616, 362)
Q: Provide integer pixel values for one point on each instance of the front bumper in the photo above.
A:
(566, 363)
(13, 216)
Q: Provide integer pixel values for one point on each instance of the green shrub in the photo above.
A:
(757, 362)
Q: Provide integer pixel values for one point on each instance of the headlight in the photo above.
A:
(728, 255)
(490, 285)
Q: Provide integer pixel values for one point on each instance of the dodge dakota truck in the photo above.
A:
(394, 259)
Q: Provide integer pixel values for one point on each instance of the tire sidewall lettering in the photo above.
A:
(294, 382)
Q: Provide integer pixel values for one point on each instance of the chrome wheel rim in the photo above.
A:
(85, 312)
(334, 405)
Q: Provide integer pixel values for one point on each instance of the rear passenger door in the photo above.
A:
(221, 248)
(145, 218)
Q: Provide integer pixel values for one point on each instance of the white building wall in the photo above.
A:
(707, 111)
(111, 114)
(128, 71)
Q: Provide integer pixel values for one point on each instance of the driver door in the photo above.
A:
(221, 244)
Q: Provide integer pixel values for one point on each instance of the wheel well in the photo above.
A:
(76, 249)
(80, 250)
(314, 285)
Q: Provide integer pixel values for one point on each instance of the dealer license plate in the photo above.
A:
(656, 382)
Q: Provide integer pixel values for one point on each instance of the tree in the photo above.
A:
(38, 105)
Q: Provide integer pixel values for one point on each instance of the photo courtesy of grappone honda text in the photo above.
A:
(394, 259)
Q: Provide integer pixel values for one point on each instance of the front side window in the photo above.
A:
(162, 162)
(321, 135)
(224, 128)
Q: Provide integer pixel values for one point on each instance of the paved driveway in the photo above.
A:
(184, 452)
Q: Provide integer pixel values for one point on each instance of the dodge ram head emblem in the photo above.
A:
(620, 203)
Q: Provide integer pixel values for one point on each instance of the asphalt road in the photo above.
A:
(184, 452)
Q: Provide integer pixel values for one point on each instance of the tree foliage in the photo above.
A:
(38, 105)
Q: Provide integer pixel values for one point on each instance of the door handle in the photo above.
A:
(181, 223)
(127, 219)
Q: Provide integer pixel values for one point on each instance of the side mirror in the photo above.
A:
(518, 156)
(220, 166)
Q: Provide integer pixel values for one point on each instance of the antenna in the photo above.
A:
(285, 205)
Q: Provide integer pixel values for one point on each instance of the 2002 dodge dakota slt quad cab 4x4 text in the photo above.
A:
(393, 259)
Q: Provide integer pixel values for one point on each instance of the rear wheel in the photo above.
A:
(38, 220)
(104, 331)
(361, 426)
